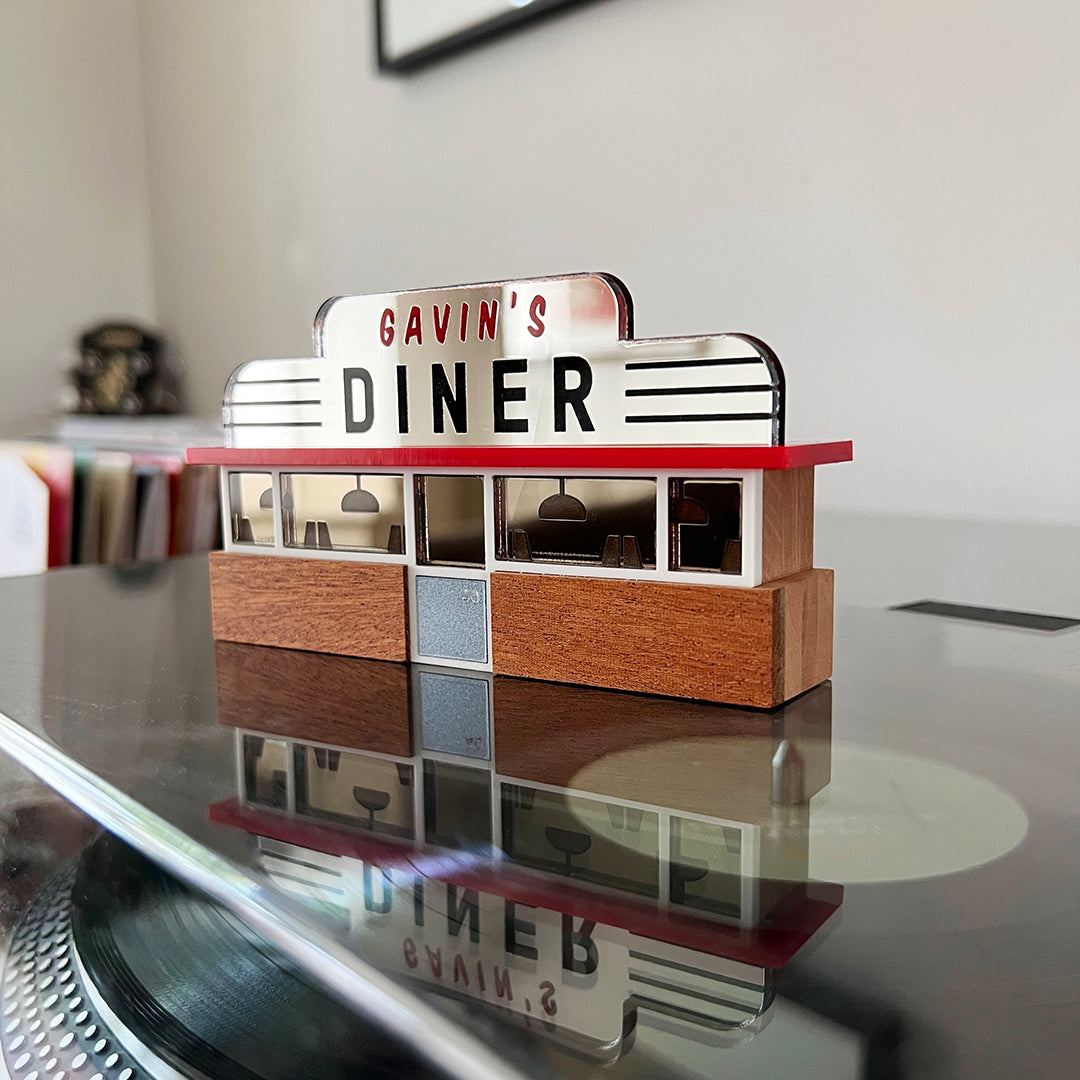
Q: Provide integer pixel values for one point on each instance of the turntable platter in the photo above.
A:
(119, 972)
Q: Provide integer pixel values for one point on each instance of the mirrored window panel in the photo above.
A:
(265, 771)
(450, 520)
(457, 805)
(344, 512)
(251, 508)
(354, 789)
(586, 839)
(585, 521)
(706, 525)
(706, 866)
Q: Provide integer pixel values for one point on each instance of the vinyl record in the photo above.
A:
(116, 968)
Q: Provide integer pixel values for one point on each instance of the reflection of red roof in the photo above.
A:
(772, 946)
(644, 458)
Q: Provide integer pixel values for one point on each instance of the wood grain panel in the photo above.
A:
(716, 643)
(697, 641)
(342, 700)
(319, 605)
(807, 630)
(787, 523)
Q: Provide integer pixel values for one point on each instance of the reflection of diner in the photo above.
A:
(354, 789)
(711, 816)
(437, 815)
(582, 838)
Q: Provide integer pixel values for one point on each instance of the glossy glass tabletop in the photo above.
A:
(518, 877)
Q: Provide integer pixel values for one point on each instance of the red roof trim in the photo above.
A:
(644, 458)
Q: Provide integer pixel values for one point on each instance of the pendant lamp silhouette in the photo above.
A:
(359, 501)
(562, 507)
(689, 512)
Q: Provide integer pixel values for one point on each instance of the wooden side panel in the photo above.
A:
(342, 700)
(757, 647)
(807, 630)
(787, 523)
(698, 641)
(319, 605)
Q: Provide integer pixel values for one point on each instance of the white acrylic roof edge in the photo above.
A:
(360, 986)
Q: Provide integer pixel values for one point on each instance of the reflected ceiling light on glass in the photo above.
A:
(883, 816)
(887, 816)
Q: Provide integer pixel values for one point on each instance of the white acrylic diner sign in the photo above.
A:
(546, 362)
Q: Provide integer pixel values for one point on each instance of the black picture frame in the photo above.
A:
(450, 46)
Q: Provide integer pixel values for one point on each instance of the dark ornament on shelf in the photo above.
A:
(122, 372)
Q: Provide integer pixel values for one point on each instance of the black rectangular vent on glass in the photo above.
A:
(1028, 620)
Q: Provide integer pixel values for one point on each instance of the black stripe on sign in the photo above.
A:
(278, 423)
(267, 382)
(697, 995)
(643, 365)
(646, 958)
(672, 390)
(681, 418)
(680, 1012)
(1027, 620)
(269, 853)
(304, 881)
(299, 401)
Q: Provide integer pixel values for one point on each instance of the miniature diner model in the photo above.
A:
(656, 870)
(499, 477)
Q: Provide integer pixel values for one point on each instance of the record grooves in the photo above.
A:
(199, 993)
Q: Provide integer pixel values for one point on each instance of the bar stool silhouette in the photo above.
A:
(242, 531)
(317, 535)
(568, 843)
(279, 789)
(372, 801)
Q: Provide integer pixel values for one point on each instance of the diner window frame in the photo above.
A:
(752, 497)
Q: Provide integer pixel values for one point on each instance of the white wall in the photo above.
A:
(74, 209)
(886, 193)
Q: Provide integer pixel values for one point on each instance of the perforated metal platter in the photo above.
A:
(116, 971)
(51, 1029)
